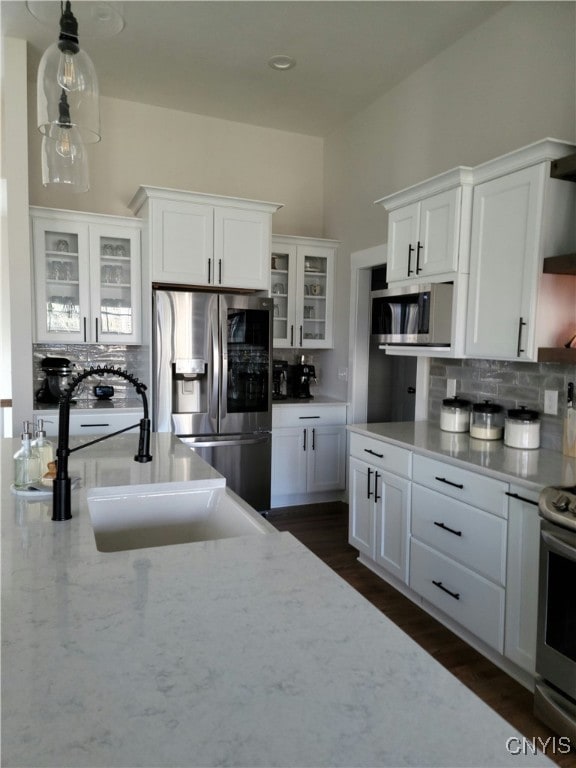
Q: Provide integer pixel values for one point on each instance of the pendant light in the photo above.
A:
(63, 154)
(67, 104)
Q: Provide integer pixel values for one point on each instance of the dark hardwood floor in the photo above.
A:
(323, 528)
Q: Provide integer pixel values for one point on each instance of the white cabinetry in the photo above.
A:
(302, 285)
(308, 452)
(208, 240)
(520, 215)
(379, 500)
(97, 421)
(87, 277)
(427, 228)
(522, 578)
(458, 546)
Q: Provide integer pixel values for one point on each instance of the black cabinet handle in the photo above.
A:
(447, 528)
(519, 349)
(300, 335)
(373, 453)
(449, 482)
(455, 595)
(308, 417)
(84, 328)
(291, 335)
(220, 271)
(418, 249)
(410, 251)
(369, 491)
(304, 445)
(313, 439)
(376, 476)
(209, 270)
(520, 498)
(96, 322)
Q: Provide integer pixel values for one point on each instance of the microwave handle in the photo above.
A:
(410, 252)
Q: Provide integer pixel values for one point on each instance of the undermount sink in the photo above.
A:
(134, 517)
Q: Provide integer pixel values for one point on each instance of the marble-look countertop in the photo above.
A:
(316, 400)
(238, 652)
(533, 469)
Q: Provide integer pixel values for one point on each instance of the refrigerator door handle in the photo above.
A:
(223, 340)
(215, 351)
(215, 442)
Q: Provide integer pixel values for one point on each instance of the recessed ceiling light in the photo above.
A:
(282, 62)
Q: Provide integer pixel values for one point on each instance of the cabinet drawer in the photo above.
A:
(307, 415)
(381, 454)
(102, 423)
(469, 599)
(475, 538)
(470, 487)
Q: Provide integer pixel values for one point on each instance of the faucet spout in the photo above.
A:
(61, 484)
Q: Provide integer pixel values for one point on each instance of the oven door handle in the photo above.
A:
(559, 546)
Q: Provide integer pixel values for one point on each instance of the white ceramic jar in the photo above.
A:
(455, 415)
(522, 428)
(486, 421)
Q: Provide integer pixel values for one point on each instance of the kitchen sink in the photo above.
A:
(134, 517)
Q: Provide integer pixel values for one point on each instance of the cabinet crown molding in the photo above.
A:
(147, 192)
(83, 216)
(542, 151)
(301, 240)
(456, 177)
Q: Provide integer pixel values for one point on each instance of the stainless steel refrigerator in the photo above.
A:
(212, 382)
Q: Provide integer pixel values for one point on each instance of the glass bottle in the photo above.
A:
(44, 447)
(26, 460)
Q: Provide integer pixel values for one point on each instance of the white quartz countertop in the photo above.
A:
(533, 469)
(238, 652)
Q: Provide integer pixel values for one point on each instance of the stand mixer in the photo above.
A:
(59, 372)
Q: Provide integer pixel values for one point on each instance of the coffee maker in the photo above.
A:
(279, 379)
(299, 378)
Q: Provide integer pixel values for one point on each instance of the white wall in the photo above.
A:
(509, 82)
(143, 144)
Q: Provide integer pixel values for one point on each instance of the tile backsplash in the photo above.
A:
(509, 384)
(134, 359)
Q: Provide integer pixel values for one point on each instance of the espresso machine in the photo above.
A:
(299, 378)
(279, 379)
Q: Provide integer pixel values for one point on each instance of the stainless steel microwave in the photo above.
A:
(419, 315)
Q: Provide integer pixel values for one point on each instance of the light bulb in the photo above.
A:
(64, 160)
(64, 146)
(68, 75)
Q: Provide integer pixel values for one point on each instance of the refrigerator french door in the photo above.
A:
(212, 382)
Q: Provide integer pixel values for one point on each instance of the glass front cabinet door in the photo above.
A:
(302, 286)
(86, 278)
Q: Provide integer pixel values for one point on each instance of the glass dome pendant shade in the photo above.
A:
(63, 154)
(65, 66)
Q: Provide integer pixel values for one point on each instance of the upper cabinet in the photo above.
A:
(206, 240)
(302, 286)
(87, 279)
(520, 215)
(427, 229)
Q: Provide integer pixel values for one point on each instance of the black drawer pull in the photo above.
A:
(449, 482)
(446, 528)
(455, 595)
(520, 498)
(373, 453)
(94, 425)
(308, 417)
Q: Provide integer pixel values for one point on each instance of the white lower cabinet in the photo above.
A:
(522, 578)
(92, 421)
(308, 452)
(465, 544)
(380, 503)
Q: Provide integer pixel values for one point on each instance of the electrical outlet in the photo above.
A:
(551, 402)
(450, 387)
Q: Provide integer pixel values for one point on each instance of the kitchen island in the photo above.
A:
(246, 651)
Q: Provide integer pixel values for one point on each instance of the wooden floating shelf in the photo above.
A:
(556, 355)
(560, 265)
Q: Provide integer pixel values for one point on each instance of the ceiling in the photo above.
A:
(211, 57)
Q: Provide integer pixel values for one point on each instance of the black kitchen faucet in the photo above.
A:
(61, 484)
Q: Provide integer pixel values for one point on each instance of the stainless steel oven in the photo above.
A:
(555, 693)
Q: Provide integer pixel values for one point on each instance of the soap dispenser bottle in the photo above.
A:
(44, 447)
(26, 460)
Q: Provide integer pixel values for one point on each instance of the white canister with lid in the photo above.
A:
(522, 428)
(486, 421)
(455, 415)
